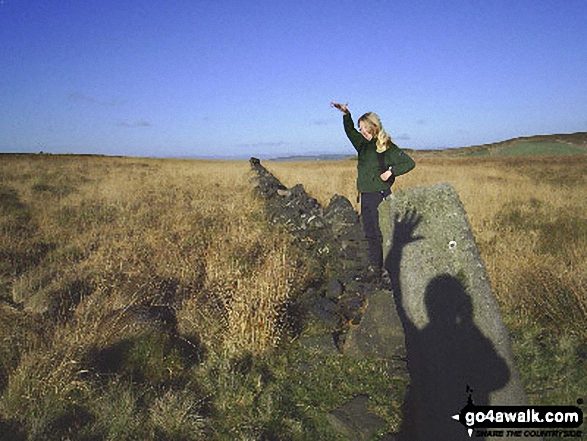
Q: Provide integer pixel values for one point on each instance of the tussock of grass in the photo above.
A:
(552, 366)
(175, 417)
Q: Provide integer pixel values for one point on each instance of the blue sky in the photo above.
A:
(245, 78)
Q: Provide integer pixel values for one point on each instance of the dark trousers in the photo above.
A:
(370, 216)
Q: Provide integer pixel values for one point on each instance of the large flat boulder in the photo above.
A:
(456, 339)
(379, 335)
(355, 421)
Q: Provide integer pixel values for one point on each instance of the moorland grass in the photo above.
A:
(86, 240)
(517, 149)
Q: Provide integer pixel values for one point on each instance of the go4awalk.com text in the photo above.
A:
(521, 421)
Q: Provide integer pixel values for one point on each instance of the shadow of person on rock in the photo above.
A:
(447, 356)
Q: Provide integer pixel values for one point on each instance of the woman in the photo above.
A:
(380, 161)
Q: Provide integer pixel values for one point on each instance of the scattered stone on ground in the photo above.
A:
(324, 344)
(380, 333)
(343, 302)
(355, 420)
(335, 235)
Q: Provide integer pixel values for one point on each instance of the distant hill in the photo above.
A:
(539, 145)
(324, 157)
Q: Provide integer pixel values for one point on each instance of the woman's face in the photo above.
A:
(364, 129)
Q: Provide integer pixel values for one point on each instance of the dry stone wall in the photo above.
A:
(439, 315)
(336, 237)
(355, 311)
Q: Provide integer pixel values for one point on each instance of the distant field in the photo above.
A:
(530, 148)
(87, 242)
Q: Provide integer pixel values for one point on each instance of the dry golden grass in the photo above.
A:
(84, 237)
(122, 224)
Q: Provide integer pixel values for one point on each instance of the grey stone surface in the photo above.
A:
(355, 421)
(455, 335)
(334, 289)
(380, 333)
(328, 312)
(351, 303)
(340, 213)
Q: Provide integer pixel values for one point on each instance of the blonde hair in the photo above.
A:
(374, 126)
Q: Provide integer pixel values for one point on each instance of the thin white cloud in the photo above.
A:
(138, 123)
(262, 145)
(81, 98)
(78, 97)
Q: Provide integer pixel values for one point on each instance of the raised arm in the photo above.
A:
(349, 126)
(342, 107)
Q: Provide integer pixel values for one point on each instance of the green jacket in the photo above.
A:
(368, 176)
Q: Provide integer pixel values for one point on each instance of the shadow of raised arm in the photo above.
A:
(404, 228)
(403, 233)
